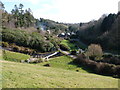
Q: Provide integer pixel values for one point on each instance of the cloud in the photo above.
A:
(76, 10)
(25, 1)
(70, 10)
(34, 1)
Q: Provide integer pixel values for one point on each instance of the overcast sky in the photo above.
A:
(69, 11)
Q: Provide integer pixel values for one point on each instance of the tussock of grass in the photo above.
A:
(19, 75)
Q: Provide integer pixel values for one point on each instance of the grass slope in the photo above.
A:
(70, 46)
(0, 75)
(64, 62)
(14, 56)
(20, 75)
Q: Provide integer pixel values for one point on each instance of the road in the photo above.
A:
(68, 54)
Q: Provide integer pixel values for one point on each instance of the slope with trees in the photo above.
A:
(104, 31)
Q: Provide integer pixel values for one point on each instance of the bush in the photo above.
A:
(22, 38)
(99, 67)
(117, 71)
(12, 45)
(107, 56)
(94, 52)
(80, 58)
(5, 44)
(16, 48)
(63, 47)
(21, 49)
(106, 69)
(111, 59)
(73, 52)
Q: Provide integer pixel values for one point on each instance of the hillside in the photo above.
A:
(19, 75)
(61, 74)
(14, 56)
(104, 31)
(42, 53)
(66, 63)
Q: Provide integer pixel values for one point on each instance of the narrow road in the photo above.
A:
(50, 55)
(68, 54)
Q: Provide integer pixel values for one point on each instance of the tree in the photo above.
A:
(73, 28)
(28, 18)
(107, 22)
(1, 6)
(15, 14)
(21, 15)
(22, 18)
(81, 24)
(94, 52)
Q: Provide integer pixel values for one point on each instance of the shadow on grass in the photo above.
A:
(81, 66)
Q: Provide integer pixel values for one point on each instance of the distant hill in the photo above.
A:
(104, 31)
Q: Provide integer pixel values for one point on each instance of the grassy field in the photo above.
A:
(0, 69)
(19, 75)
(70, 46)
(14, 56)
(61, 74)
(63, 62)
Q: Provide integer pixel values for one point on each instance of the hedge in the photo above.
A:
(99, 67)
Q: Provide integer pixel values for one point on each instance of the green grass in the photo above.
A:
(20, 75)
(1, 55)
(63, 62)
(0, 69)
(69, 45)
(61, 74)
(14, 56)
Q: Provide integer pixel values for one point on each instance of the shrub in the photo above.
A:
(107, 56)
(117, 71)
(5, 44)
(99, 67)
(16, 48)
(107, 69)
(91, 64)
(112, 60)
(94, 51)
(73, 52)
(26, 50)
(12, 45)
(21, 49)
(80, 58)
(63, 47)
(22, 38)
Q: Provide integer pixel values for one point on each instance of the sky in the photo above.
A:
(67, 11)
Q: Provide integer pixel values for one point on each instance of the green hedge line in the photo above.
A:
(99, 67)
